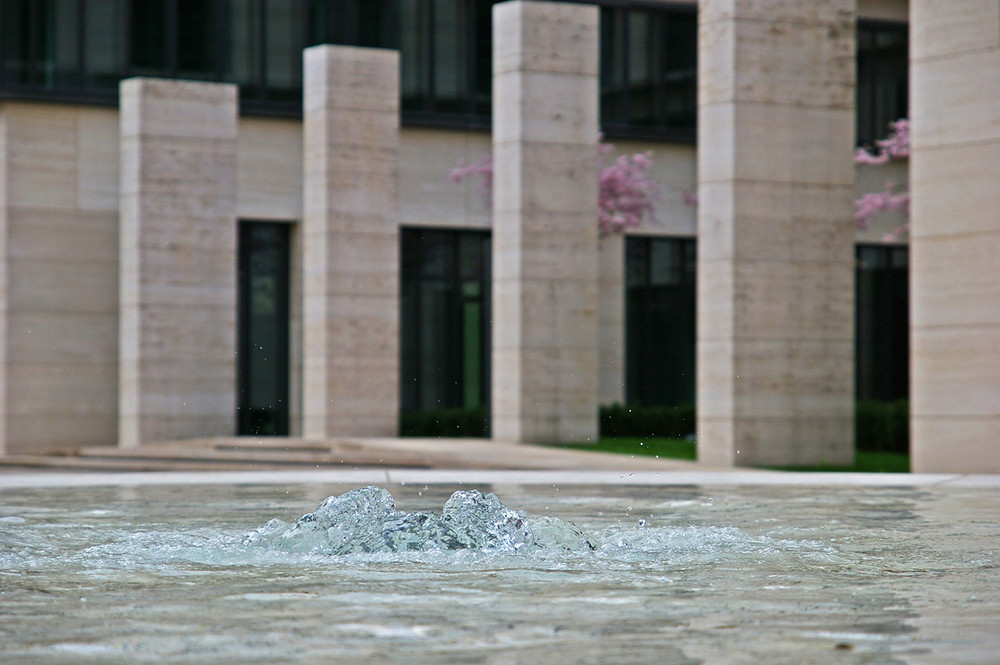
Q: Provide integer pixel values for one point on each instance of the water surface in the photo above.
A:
(676, 574)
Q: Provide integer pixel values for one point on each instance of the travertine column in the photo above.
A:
(775, 254)
(178, 260)
(5, 446)
(350, 242)
(955, 238)
(545, 256)
(58, 276)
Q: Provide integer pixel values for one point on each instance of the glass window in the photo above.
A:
(882, 320)
(882, 78)
(103, 43)
(648, 72)
(241, 39)
(284, 41)
(660, 321)
(445, 310)
(451, 44)
(150, 21)
(415, 56)
(41, 43)
(196, 43)
(85, 47)
(263, 384)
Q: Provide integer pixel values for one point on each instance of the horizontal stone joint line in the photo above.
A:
(969, 143)
(791, 21)
(951, 55)
(954, 326)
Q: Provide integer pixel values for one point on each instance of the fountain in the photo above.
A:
(804, 569)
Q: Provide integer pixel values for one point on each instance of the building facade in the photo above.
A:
(206, 233)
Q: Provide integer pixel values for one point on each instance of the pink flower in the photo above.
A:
(894, 146)
(626, 192)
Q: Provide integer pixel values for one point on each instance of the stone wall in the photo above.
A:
(177, 200)
(776, 254)
(955, 246)
(58, 277)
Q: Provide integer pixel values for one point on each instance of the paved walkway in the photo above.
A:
(242, 453)
(251, 460)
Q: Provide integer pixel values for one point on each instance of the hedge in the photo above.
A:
(882, 426)
(879, 426)
(444, 422)
(671, 422)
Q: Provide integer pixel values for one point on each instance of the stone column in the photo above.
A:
(545, 255)
(350, 242)
(776, 251)
(5, 443)
(955, 237)
(177, 317)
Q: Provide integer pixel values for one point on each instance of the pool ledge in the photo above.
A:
(399, 476)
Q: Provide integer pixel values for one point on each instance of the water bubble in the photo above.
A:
(642, 522)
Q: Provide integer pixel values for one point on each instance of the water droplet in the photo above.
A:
(642, 522)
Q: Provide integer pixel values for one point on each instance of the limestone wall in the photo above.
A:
(59, 256)
(954, 289)
(177, 270)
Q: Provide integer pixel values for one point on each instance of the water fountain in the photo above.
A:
(499, 572)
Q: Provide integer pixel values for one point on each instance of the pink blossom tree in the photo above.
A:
(895, 146)
(626, 191)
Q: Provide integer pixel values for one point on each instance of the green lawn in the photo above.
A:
(653, 447)
(864, 461)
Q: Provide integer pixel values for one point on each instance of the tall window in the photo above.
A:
(882, 320)
(660, 321)
(445, 323)
(263, 377)
(883, 78)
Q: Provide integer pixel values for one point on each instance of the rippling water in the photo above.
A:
(581, 574)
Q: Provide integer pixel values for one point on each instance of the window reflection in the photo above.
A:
(660, 321)
(882, 78)
(83, 48)
(445, 319)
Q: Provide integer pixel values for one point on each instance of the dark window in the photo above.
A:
(445, 329)
(883, 78)
(104, 48)
(41, 43)
(151, 20)
(445, 56)
(882, 320)
(659, 321)
(80, 49)
(262, 403)
(649, 63)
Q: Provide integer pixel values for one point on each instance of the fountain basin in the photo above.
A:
(744, 567)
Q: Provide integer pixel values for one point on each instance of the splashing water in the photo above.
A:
(366, 520)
